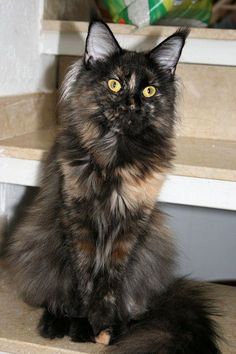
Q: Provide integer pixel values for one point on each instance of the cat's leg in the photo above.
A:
(102, 320)
(81, 330)
(109, 328)
(52, 326)
(110, 336)
(56, 326)
(103, 315)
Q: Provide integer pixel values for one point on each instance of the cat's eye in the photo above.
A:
(149, 91)
(114, 85)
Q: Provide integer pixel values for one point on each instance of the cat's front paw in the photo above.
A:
(81, 330)
(104, 337)
(101, 317)
(51, 326)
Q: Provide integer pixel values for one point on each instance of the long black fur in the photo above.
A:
(93, 250)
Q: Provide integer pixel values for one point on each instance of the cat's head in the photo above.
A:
(120, 92)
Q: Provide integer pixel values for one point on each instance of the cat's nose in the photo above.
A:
(131, 103)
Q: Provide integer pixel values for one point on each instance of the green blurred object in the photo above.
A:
(150, 12)
(188, 12)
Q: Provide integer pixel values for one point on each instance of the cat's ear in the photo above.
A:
(100, 43)
(168, 52)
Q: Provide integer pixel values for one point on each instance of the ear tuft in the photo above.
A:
(168, 52)
(100, 43)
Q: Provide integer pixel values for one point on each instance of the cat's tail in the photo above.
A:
(180, 322)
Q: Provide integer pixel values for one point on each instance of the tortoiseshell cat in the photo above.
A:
(94, 251)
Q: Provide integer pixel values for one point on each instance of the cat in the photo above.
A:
(93, 250)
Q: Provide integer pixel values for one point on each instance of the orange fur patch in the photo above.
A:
(120, 251)
(103, 338)
(140, 190)
(88, 132)
(86, 246)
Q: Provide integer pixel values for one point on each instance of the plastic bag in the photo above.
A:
(150, 12)
(189, 13)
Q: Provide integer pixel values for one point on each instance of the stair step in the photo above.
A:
(192, 160)
(204, 46)
(30, 146)
(202, 167)
(18, 324)
(21, 114)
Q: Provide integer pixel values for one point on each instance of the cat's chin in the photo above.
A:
(117, 130)
(128, 129)
(125, 132)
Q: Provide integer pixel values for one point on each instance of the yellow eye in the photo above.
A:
(114, 85)
(149, 91)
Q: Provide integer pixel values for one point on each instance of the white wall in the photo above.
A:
(206, 239)
(22, 68)
(10, 196)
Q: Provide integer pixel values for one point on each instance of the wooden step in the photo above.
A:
(204, 46)
(18, 324)
(21, 114)
(196, 157)
(30, 146)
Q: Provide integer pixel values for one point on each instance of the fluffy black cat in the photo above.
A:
(93, 250)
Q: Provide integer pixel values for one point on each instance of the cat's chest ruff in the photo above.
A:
(133, 191)
(137, 191)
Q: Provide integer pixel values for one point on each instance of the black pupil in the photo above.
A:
(114, 84)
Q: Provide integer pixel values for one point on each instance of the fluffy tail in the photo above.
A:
(179, 322)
